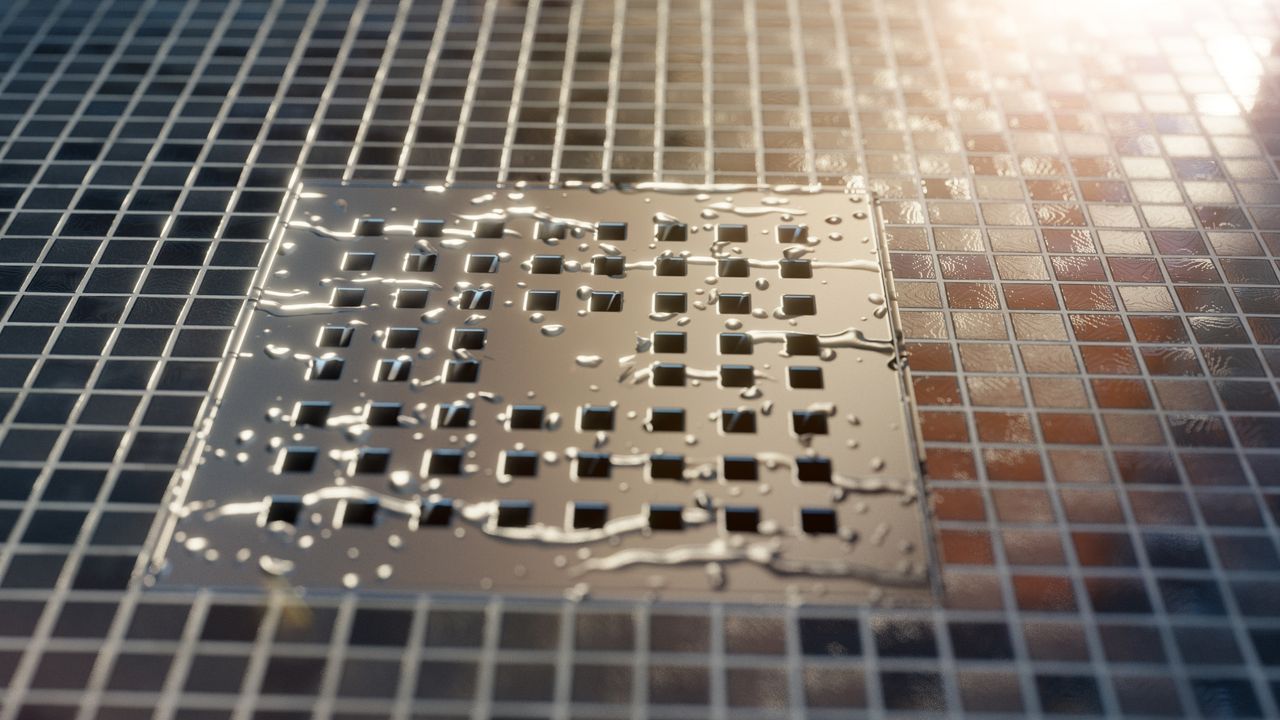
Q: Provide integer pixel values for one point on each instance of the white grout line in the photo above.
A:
(473, 82)
(527, 39)
(611, 104)
(566, 86)
(443, 23)
(379, 81)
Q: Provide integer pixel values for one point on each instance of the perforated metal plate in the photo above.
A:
(567, 390)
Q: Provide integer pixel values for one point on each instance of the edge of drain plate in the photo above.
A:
(154, 559)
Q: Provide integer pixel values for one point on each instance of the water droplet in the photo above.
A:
(350, 581)
(833, 219)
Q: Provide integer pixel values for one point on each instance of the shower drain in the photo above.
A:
(694, 392)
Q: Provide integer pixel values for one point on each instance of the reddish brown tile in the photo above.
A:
(1004, 427)
(1030, 296)
(1045, 593)
(1088, 297)
(965, 547)
(1109, 360)
(1114, 393)
(1023, 465)
(1069, 429)
(958, 504)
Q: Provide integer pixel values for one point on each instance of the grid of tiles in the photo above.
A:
(1082, 200)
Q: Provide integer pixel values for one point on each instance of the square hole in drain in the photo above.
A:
(495, 387)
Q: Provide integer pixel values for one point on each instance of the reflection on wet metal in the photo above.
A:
(736, 429)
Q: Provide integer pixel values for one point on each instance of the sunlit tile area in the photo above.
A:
(1083, 214)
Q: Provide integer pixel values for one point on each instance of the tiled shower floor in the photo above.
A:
(1084, 213)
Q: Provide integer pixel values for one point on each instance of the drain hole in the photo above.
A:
(519, 463)
(595, 417)
(668, 374)
(482, 263)
(671, 232)
(668, 266)
(347, 297)
(666, 467)
(670, 302)
(373, 460)
(514, 513)
(813, 469)
(734, 267)
(731, 233)
(588, 515)
(734, 304)
(357, 261)
(592, 465)
(799, 305)
(411, 299)
(666, 420)
(793, 234)
(736, 344)
(738, 421)
(605, 301)
(737, 376)
(369, 227)
(802, 344)
(283, 508)
(488, 228)
(805, 377)
(297, 459)
(420, 262)
(611, 265)
(401, 338)
(475, 300)
(446, 461)
(314, 413)
(664, 517)
(335, 336)
(808, 423)
(546, 264)
(324, 368)
(396, 370)
(436, 513)
(550, 230)
(740, 519)
(818, 521)
(359, 512)
(542, 300)
(739, 467)
(428, 227)
(669, 342)
(453, 415)
(795, 269)
(612, 231)
(467, 338)
(525, 417)
(382, 414)
(461, 371)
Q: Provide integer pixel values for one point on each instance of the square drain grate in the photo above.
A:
(564, 390)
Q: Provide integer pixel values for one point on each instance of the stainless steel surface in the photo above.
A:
(360, 442)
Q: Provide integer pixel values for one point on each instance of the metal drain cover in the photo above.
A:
(564, 390)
